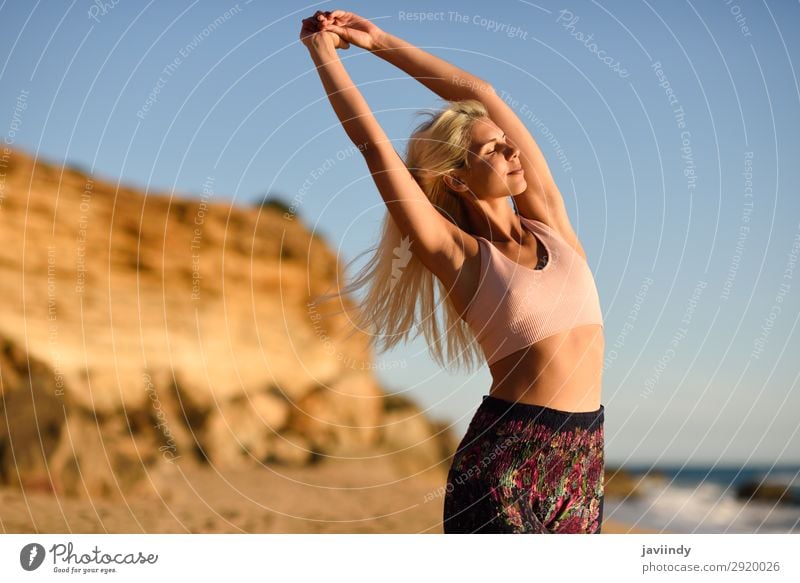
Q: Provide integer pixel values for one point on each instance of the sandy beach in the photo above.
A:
(334, 496)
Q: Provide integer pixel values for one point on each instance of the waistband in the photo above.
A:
(555, 418)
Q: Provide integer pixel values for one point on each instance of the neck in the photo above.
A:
(495, 220)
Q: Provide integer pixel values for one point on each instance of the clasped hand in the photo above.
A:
(341, 28)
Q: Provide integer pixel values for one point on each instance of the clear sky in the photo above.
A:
(670, 127)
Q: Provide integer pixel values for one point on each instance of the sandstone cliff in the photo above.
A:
(142, 331)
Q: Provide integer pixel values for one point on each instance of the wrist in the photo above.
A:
(381, 41)
(320, 44)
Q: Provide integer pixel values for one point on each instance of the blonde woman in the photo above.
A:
(516, 290)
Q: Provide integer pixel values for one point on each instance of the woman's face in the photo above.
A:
(492, 157)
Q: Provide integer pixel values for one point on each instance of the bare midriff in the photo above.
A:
(563, 371)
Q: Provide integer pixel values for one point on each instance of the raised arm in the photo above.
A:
(430, 233)
(542, 199)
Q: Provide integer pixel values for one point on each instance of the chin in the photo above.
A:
(518, 187)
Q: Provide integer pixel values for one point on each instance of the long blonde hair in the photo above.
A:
(399, 281)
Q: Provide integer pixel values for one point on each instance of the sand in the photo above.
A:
(334, 496)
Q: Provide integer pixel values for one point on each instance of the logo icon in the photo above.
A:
(402, 255)
(31, 556)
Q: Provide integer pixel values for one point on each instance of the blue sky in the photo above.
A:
(676, 154)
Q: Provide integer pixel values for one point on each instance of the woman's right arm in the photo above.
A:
(350, 106)
(432, 236)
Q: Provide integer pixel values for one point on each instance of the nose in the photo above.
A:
(513, 149)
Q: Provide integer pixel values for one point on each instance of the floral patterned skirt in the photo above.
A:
(525, 468)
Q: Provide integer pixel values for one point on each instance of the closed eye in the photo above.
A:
(495, 149)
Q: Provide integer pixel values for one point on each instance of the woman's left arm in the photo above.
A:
(443, 78)
(541, 200)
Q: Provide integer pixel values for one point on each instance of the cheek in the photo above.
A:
(487, 176)
(490, 172)
(496, 171)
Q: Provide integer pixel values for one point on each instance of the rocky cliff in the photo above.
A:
(142, 331)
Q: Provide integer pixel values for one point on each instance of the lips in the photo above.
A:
(517, 171)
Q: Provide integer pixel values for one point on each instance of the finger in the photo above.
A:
(337, 13)
(342, 32)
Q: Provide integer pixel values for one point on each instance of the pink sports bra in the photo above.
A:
(516, 306)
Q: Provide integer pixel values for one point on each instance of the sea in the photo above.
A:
(702, 500)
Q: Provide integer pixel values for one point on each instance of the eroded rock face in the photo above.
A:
(141, 331)
(32, 426)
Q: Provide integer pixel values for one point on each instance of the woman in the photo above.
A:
(532, 459)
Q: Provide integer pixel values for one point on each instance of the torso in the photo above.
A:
(562, 371)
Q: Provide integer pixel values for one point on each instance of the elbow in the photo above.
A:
(365, 143)
(481, 87)
(480, 91)
(488, 89)
(471, 87)
(372, 150)
(366, 147)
